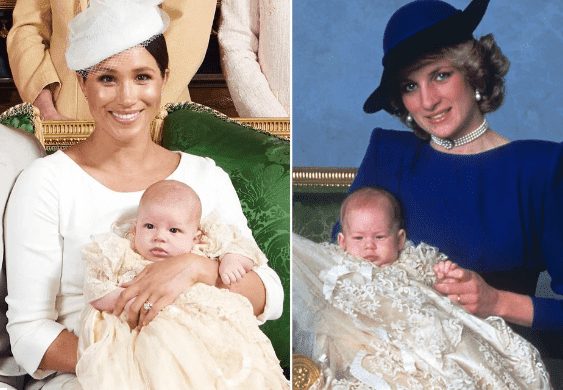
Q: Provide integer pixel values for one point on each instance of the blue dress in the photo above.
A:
(498, 213)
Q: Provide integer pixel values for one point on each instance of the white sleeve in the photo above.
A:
(239, 42)
(33, 266)
(231, 213)
(274, 294)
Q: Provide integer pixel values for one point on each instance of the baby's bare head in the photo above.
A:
(371, 226)
(374, 198)
(173, 193)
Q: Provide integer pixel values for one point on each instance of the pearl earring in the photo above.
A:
(409, 119)
(477, 95)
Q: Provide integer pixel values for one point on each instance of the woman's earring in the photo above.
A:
(409, 119)
(477, 95)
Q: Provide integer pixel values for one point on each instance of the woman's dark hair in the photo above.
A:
(157, 48)
(483, 65)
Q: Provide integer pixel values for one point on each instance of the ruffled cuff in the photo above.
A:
(419, 261)
(219, 239)
(274, 294)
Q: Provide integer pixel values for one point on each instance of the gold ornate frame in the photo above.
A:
(55, 135)
(311, 178)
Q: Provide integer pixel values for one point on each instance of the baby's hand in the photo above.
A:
(233, 267)
(446, 272)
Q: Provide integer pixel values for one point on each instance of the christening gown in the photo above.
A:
(207, 339)
(387, 328)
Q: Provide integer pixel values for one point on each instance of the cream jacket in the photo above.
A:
(37, 43)
(254, 38)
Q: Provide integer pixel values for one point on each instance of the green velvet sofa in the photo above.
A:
(317, 195)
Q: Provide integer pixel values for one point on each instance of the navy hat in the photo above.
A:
(420, 27)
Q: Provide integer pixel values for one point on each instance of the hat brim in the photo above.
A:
(378, 100)
(450, 31)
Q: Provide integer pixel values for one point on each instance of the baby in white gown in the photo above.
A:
(207, 339)
(379, 324)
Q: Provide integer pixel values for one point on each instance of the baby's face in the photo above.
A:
(164, 230)
(369, 233)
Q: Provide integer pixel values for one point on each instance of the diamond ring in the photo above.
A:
(147, 305)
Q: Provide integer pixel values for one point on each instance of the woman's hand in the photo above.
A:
(160, 283)
(471, 291)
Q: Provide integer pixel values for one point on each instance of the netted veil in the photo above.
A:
(110, 27)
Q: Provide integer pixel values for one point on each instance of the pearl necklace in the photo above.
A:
(447, 143)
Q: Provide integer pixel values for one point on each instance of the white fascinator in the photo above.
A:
(109, 27)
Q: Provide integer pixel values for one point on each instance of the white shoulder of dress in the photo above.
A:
(195, 166)
(187, 159)
(57, 164)
(47, 172)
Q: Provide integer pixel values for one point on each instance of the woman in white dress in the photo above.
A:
(61, 200)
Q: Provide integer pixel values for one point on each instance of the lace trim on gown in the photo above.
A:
(388, 326)
(219, 239)
(104, 276)
(208, 337)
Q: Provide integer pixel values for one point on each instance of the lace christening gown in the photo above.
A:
(387, 328)
(207, 339)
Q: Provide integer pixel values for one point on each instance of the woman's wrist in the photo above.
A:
(62, 353)
(201, 269)
(515, 308)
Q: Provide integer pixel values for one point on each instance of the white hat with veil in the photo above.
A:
(109, 27)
